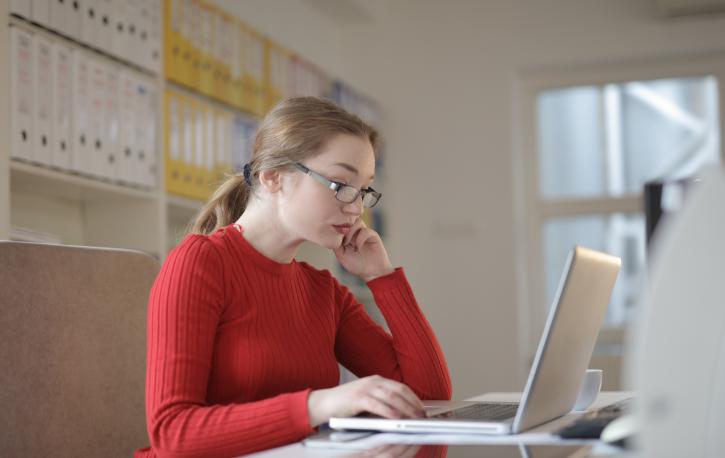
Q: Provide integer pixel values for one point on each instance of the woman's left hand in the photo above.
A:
(362, 253)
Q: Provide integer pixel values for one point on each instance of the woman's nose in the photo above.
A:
(355, 207)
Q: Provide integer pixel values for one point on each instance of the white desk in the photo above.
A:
(298, 450)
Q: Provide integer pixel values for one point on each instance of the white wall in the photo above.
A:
(444, 73)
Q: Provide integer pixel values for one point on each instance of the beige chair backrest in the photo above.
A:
(72, 349)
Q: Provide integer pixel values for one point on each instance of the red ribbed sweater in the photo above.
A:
(236, 341)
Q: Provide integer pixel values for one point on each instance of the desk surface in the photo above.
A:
(298, 450)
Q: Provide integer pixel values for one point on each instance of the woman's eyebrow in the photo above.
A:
(350, 168)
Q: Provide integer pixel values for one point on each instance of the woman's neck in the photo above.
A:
(266, 235)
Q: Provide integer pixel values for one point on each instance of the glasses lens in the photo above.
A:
(346, 194)
(370, 199)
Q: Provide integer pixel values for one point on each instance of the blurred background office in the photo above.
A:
(513, 129)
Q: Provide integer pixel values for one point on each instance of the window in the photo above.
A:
(587, 139)
(600, 142)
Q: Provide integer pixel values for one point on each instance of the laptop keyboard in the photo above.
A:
(489, 411)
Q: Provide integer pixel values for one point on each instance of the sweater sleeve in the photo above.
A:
(185, 306)
(411, 355)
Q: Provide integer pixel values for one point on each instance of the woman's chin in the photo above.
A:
(331, 243)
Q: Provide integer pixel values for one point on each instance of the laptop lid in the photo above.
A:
(569, 336)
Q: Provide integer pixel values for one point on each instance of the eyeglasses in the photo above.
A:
(344, 193)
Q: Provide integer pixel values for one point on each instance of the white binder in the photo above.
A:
(97, 149)
(154, 155)
(155, 31)
(223, 134)
(105, 25)
(82, 140)
(58, 13)
(111, 122)
(43, 143)
(62, 82)
(90, 25)
(131, 51)
(73, 19)
(40, 11)
(211, 144)
(127, 109)
(20, 8)
(21, 94)
(119, 32)
(143, 40)
(145, 157)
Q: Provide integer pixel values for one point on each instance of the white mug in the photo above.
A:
(591, 384)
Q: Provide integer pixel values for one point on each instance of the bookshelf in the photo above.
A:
(49, 203)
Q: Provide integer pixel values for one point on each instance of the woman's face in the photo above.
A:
(308, 209)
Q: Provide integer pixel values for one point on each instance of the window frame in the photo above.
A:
(531, 210)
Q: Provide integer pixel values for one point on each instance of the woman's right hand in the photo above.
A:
(374, 394)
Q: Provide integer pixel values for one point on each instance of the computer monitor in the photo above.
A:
(662, 197)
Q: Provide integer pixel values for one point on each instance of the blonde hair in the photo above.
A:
(295, 129)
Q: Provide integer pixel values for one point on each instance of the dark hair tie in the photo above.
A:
(247, 174)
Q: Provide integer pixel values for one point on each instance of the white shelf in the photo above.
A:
(182, 208)
(35, 179)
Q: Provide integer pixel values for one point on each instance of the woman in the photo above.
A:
(244, 341)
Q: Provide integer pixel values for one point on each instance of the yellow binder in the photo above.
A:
(277, 61)
(172, 136)
(173, 16)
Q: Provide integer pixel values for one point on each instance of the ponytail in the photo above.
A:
(225, 206)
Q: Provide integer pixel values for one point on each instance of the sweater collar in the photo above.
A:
(255, 256)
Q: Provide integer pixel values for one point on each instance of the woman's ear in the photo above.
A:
(271, 180)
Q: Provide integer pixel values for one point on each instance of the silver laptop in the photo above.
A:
(554, 380)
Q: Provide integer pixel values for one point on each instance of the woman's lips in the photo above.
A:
(342, 229)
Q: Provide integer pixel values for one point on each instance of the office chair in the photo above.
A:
(73, 334)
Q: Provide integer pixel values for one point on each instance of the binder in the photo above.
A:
(242, 140)
(140, 155)
(206, 51)
(223, 160)
(21, 94)
(245, 58)
(148, 35)
(224, 37)
(82, 139)
(187, 177)
(141, 46)
(104, 18)
(172, 18)
(152, 137)
(127, 111)
(146, 163)
(58, 12)
(90, 33)
(199, 173)
(42, 101)
(211, 146)
(255, 67)
(20, 8)
(96, 150)
(173, 137)
(62, 75)
(235, 67)
(111, 122)
(119, 22)
(40, 11)
(155, 26)
(73, 19)
(131, 52)
(186, 64)
(193, 15)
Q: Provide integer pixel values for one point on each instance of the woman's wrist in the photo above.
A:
(382, 273)
(315, 408)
